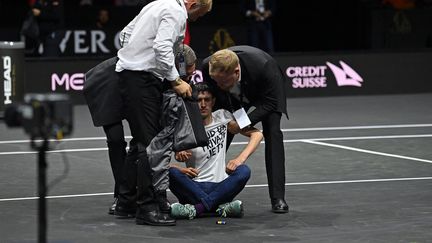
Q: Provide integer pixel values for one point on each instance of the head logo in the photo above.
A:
(7, 66)
(345, 76)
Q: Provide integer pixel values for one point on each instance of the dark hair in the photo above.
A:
(202, 87)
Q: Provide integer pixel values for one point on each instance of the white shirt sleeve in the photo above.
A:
(228, 115)
(169, 30)
(150, 39)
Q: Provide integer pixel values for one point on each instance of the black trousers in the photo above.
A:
(116, 151)
(142, 95)
(274, 154)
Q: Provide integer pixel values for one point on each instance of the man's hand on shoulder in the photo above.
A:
(182, 88)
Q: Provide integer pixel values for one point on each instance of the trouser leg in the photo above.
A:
(274, 155)
(228, 189)
(184, 188)
(116, 151)
(128, 180)
(142, 94)
(145, 192)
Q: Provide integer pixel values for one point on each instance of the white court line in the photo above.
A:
(54, 151)
(355, 127)
(55, 140)
(367, 151)
(362, 137)
(53, 197)
(247, 186)
(283, 130)
(241, 143)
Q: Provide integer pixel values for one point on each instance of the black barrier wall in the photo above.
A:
(325, 74)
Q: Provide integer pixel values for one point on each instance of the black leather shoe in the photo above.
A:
(113, 206)
(279, 205)
(162, 200)
(151, 215)
(125, 210)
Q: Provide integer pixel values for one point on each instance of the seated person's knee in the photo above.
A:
(244, 172)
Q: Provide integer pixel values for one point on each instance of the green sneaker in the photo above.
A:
(232, 209)
(180, 211)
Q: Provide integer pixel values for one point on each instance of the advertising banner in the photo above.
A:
(306, 74)
(97, 43)
(357, 73)
(65, 76)
(12, 73)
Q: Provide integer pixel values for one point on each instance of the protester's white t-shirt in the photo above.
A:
(210, 160)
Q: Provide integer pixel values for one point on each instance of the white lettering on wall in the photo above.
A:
(97, 38)
(307, 76)
(79, 39)
(7, 66)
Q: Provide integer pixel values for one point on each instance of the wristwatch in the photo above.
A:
(177, 81)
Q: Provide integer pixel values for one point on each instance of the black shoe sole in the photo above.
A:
(124, 215)
(145, 222)
(280, 210)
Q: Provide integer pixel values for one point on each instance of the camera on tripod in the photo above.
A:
(42, 115)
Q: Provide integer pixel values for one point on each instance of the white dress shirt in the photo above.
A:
(150, 37)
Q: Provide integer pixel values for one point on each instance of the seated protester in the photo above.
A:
(206, 184)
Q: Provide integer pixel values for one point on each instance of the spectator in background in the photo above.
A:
(103, 18)
(258, 14)
(48, 14)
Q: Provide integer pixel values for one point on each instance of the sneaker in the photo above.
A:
(180, 211)
(232, 209)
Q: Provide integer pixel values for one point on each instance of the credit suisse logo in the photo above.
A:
(303, 77)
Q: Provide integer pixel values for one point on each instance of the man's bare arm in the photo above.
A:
(255, 137)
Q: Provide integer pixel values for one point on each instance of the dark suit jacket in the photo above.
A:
(262, 83)
(102, 93)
